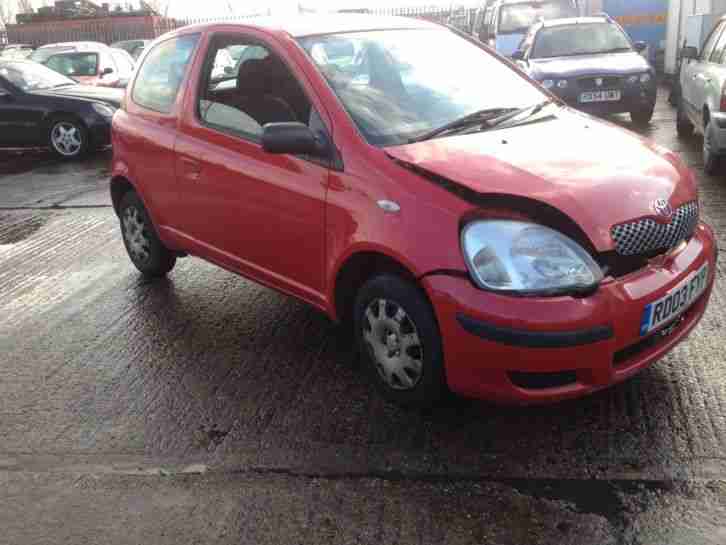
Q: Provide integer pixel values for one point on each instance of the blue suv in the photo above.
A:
(591, 64)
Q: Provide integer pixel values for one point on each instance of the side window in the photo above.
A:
(258, 89)
(162, 72)
(718, 50)
(710, 44)
(123, 62)
(74, 64)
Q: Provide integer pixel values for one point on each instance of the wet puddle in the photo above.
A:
(15, 228)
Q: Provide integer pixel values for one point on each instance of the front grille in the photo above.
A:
(647, 236)
(608, 82)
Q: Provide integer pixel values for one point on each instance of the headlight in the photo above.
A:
(103, 110)
(642, 78)
(548, 83)
(515, 256)
(562, 84)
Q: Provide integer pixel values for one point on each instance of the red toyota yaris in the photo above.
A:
(480, 236)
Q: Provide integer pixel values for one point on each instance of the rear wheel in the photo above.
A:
(399, 340)
(642, 117)
(712, 162)
(684, 127)
(146, 251)
(68, 138)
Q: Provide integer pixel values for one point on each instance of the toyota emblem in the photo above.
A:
(663, 208)
(598, 82)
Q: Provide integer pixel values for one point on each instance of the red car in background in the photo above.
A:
(481, 237)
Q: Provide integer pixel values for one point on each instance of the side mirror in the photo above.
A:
(640, 46)
(106, 71)
(293, 138)
(518, 55)
(689, 52)
(229, 70)
(4, 94)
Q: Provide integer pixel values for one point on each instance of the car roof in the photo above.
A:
(574, 21)
(75, 45)
(311, 25)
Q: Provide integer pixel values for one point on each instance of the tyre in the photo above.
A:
(683, 125)
(68, 138)
(145, 250)
(399, 342)
(712, 163)
(642, 118)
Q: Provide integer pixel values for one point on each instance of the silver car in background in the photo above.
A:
(702, 106)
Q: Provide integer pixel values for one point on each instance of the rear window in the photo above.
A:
(517, 18)
(162, 72)
(74, 64)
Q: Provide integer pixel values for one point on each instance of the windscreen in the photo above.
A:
(585, 39)
(400, 84)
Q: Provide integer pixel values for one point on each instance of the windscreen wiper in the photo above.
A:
(530, 111)
(479, 117)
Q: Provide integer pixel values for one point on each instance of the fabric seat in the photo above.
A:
(259, 82)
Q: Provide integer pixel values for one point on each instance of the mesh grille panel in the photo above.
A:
(646, 236)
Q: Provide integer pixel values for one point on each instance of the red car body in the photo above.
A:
(197, 183)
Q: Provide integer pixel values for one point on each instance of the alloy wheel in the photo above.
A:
(394, 344)
(66, 139)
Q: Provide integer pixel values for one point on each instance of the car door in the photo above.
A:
(695, 76)
(149, 127)
(19, 119)
(715, 75)
(250, 211)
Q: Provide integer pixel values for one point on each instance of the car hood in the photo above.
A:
(597, 173)
(97, 94)
(605, 64)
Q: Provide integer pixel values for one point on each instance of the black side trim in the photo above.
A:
(534, 339)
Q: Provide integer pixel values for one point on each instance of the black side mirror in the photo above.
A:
(518, 55)
(640, 46)
(293, 138)
(4, 95)
(689, 52)
(229, 70)
(106, 71)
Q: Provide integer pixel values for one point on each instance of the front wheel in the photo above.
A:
(642, 117)
(684, 127)
(399, 340)
(68, 138)
(147, 252)
(712, 162)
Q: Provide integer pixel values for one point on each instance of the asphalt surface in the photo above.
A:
(207, 409)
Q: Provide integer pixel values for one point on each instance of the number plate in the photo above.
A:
(600, 96)
(674, 304)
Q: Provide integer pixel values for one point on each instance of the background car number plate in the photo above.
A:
(675, 303)
(600, 96)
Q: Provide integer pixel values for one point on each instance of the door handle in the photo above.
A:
(192, 168)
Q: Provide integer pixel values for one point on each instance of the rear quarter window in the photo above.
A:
(157, 84)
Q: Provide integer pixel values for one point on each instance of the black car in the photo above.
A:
(590, 63)
(40, 107)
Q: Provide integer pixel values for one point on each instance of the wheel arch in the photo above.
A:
(359, 267)
(119, 186)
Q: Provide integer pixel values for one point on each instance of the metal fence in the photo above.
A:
(118, 27)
